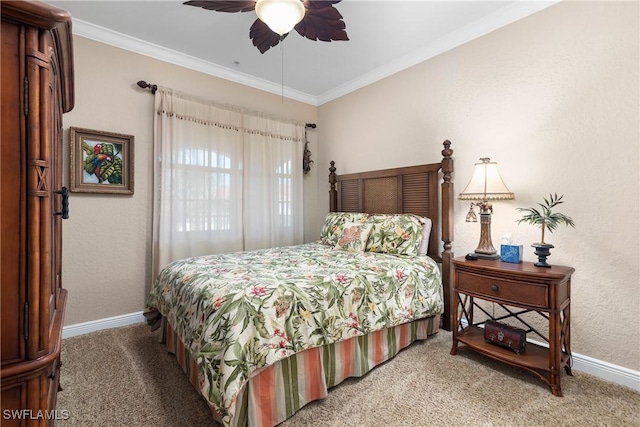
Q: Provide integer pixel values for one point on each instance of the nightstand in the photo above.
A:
(517, 289)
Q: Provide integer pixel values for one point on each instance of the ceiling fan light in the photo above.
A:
(280, 15)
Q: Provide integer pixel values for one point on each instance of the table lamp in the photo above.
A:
(486, 184)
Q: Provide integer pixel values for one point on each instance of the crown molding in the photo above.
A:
(132, 44)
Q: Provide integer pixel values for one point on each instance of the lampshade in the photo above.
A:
(280, 15)
(486, 183)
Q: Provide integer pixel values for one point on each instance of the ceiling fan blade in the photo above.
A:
(262, 36)
(320, 4)
(223, 6)
(322, 22)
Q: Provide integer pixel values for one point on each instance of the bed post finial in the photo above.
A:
(447, 161)
(447, 232)
(333, 193)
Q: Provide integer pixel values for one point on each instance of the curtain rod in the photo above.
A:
(153, 88)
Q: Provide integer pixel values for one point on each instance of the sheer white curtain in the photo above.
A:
(272, 182)
(224, 180)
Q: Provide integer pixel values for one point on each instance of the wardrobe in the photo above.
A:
(37, 88)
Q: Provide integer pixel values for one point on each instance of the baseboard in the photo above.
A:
(598, 368)
(100, 324)
(607, 371)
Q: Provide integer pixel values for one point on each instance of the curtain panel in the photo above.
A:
(273, 175)
(225, 179)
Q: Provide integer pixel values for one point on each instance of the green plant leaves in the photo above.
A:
(545, 217)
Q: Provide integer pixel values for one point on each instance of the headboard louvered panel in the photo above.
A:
(412, 189)
(349, 200)
(415, 191)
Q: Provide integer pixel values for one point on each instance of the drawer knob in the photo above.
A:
(494, 287)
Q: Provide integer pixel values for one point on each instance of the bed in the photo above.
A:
(262, 333)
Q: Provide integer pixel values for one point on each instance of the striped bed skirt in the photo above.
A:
(276, 392)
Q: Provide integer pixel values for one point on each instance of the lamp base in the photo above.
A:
(486, 256)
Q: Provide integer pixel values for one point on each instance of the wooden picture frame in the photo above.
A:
(101, 162)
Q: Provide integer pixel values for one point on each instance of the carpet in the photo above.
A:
(124, 377)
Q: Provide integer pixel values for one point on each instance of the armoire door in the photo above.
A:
(13, 201)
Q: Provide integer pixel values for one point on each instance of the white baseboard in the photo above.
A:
(598, 368)
(607, 371)
(100, 324)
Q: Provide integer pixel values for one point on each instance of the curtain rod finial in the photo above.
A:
(145, 85)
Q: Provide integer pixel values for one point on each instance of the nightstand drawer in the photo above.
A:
(509, 291)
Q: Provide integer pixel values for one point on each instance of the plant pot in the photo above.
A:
(543, 250)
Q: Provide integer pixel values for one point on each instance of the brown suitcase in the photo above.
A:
(505, 336)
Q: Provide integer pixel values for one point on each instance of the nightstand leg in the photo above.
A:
(556, 344)
(456, 323)
(566, 337)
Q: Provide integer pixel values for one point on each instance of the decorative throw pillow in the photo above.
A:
(334, 223)
(398, 234)
(354, 236)
(426, 233)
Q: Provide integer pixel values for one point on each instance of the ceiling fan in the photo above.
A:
(315, 20)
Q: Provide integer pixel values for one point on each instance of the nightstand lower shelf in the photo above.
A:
(534, 359)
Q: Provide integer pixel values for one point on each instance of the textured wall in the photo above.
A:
(107, 240)
(554, 99)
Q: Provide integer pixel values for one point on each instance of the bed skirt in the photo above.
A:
(275, 393)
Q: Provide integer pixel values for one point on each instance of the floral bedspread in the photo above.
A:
(239, 312)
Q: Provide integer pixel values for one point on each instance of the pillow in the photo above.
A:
(354, 236)
(398, 234)
(333, 224)
(426, 233)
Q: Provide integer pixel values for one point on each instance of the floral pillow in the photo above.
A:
(354, 236)
(334, 223)
(399, 234)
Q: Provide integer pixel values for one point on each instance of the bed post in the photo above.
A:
(333, 193)
(447, 232)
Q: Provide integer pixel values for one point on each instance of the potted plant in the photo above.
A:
(547, 220)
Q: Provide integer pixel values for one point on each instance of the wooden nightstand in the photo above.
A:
(516, 289)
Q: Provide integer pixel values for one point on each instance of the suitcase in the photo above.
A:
(505, 336)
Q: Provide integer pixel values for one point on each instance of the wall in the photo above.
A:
(554, 99)
(107, 240)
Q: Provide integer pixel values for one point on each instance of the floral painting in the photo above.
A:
(101, 162)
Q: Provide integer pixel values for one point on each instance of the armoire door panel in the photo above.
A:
(13, 201)
(38, 192)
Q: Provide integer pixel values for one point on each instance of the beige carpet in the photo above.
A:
(123, 377)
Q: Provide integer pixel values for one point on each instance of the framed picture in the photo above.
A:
(101, 162)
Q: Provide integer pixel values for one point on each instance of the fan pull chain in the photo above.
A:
(282, 69)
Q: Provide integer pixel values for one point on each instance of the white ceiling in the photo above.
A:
(385, 37)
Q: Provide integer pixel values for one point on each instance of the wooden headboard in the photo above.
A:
(423, 190)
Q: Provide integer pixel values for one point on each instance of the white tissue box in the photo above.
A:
(511, 253)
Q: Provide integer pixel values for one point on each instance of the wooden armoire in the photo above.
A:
(37, 88)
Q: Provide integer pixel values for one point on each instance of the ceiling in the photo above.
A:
(384, 37)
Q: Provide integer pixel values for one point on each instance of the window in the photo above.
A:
(284, 174)
(207, 196)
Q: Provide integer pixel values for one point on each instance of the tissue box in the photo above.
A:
(511, 253)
